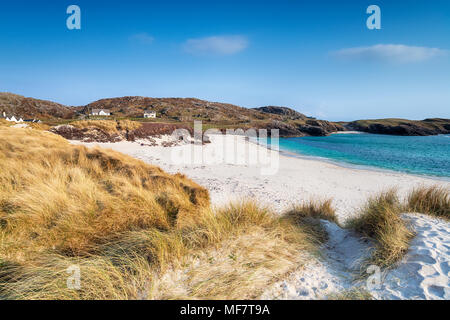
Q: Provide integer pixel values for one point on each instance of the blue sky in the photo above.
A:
(315, 56)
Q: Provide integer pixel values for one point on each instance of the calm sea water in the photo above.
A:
(418, 155)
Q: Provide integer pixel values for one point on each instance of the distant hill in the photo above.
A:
(28, 108)
(180, 109)
(282, 111)
(402, 127)
(183, 110)
(289, 122)
(217, 114)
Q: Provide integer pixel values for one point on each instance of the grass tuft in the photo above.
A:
(434, 201)
(316, 209)
(38, 126)
(307, 215)
(380, 220)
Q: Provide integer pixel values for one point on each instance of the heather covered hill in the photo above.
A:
(181, 109)
(184, 111)
(27, 108)
(282, 111)
(218, 115)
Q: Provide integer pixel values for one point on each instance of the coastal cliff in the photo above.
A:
(402, 127)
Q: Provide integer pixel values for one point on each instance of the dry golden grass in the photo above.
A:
(433, 200)
(309, 213)
(133, 230)
(38, 126)
(238, 251)
(72, 197)
(108, 126)
(128, 125)
(4, 123)
(317, 209)
(380, 220)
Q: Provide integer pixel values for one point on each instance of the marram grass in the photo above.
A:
(134, 231)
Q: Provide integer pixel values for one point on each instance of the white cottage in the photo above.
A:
(100, 112)
(149, 114)
(14, 119)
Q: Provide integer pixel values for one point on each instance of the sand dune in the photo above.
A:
(422, 274)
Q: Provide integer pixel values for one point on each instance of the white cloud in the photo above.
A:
(216, 45)
(394, 53)
(143, 38)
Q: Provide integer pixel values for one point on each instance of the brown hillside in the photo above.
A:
(217, 115)
(29, 108)
(283, 111)
(181, 109)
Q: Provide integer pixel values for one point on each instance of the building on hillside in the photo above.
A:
(149, 114)
(100, 112)
(14, 119)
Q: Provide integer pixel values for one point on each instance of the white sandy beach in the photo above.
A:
(296, 180)
(424, 270)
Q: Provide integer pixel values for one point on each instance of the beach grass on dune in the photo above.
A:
(236, 253)
(434, 200)
(309, 214)
(315, 208)
(134, 231)
(108, 126)
(4, 123)
(380, 220)
(38, 126)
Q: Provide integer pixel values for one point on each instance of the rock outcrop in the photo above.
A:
(30, 108)
(402, 127)
(282, 111)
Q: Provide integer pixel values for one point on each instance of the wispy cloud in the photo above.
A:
(393, 53)
(216, 45)
(143, 38)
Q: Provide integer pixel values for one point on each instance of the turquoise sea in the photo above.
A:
(418, 155)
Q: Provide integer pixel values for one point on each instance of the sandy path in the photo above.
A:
(424, 272)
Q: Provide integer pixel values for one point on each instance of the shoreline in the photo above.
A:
(349, 165)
